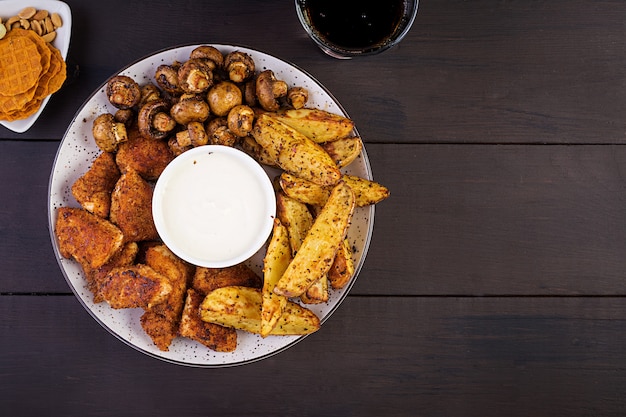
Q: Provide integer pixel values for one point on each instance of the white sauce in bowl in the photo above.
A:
(214, 206)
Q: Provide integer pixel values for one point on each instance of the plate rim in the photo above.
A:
(296, 339)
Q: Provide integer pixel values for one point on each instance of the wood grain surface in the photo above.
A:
(494, 284)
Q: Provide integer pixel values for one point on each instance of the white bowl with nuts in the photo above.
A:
(50, 19)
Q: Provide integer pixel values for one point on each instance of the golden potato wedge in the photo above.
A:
(344, 151)
(277, 258)
(296, 320)
(317, 252)
(304, 191)
(240, 308)
(294, 152)
(318, 125)
(295, 217)
(343, 267)
(256, 151)
(234, 307)
(317, 293)
(367, 192)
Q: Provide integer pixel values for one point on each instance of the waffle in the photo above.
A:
(49, 79)
(20, 64)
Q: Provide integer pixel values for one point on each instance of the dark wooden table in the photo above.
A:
(495, 281)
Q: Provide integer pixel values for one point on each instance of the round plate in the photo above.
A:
(78, 150)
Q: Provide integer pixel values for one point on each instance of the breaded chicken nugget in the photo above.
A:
(85, 237)
(131, 208)
(93, 189)
(96, 277)
(161, 330)
(136, 286)
(161, 321)
(160, 258)
(213, 336)
(148, 157)
(206, 280)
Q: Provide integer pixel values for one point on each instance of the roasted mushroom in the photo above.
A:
(175, 147)
(208, 53)
(108, 133)
(239, 66)
(219, 134)
(190, 108)
(240, 120)
(297, 97)
(166, 77)
(193, 136)
(149, 92)
(154, 120)
(269, 90)
(126, 116)
(123, 92)
(249, 92)
(224, 96)
(195, 76)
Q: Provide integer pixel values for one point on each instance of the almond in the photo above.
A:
(56, 20)
(49, 37)
(40, 15)
(49, 25)
(27, 13)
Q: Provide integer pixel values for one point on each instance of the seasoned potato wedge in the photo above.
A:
(256, 151)
(317, 293)
(343, 267)
(344, 151)
(317, 252)
(367, 192)
(318, 125)
(304, 191)
(276, 260)
(240, 308)
(294, 152)
(295, 217)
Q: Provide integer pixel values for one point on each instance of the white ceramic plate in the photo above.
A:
(76, 153)
(10, 8)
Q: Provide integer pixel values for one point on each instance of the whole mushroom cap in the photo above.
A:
(123, 92)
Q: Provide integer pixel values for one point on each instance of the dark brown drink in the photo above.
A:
(354, 24)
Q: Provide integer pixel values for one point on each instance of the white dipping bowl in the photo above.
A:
(214, 206)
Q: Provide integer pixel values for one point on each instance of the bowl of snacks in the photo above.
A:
(122, 150)
(34, 42)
